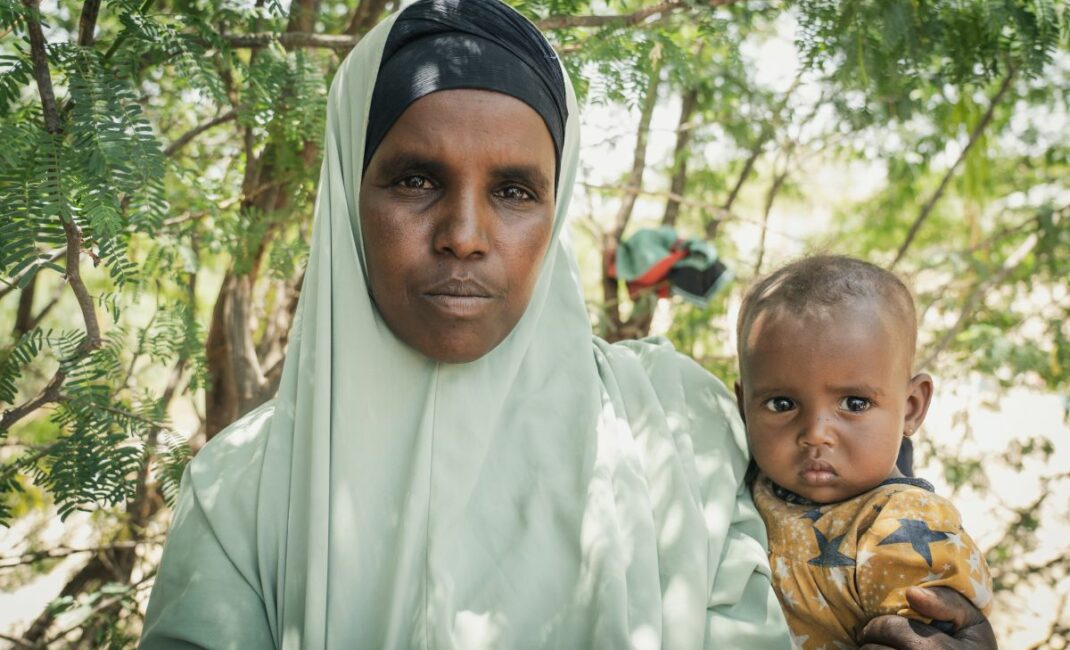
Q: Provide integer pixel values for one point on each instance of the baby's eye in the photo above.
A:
(515, 193)
(779, 404)
(855, 404)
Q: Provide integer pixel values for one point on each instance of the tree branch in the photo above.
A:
(973, 300)
(347, 41)
(56, 553)
(975, 135)
(624, 20)
(49, 394)
(611, 240)
(770, 198)
(39, 57)
(720, 214)
(17, 641)
(365, 16)
(767, 133)
(102, 605)
(680, 153)
(52, 257)
(24, 311)
(635, 176)
(188, 136)
(302, 15)
(81, 292)
(291, 40)
(88, 22)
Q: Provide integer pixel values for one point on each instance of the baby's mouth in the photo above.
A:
(816, 472)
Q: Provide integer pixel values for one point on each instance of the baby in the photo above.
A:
(826, 351)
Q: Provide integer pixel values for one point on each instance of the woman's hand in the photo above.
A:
(901, 633)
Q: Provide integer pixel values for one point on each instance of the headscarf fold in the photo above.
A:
(557, 492)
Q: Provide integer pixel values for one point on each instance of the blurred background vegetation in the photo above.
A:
(158, 161)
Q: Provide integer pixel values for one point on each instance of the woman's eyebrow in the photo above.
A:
(528, 174)
(407, 161)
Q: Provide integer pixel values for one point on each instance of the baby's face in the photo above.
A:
(828, 398)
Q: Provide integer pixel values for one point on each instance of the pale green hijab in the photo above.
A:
(558, 492)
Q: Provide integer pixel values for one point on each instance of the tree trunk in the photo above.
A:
(613, 329)
(680, 154)
(244, 373)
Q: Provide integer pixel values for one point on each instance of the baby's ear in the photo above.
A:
(739, 401)
(919, 396)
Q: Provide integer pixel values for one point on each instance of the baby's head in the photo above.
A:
(826, 387)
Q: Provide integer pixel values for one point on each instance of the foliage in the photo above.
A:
(175, 169)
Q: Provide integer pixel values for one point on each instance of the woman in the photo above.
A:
(452, 459)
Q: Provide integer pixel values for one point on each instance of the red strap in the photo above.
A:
(657, 272)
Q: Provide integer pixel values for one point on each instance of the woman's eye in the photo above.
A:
(414, 182)
(779, 404)
(516, 193)
(854, 404)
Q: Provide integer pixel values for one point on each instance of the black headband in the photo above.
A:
(479, 44)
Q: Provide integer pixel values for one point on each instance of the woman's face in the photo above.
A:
(457, 208)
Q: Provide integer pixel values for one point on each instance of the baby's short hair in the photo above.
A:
(820, 282)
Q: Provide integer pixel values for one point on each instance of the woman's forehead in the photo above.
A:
(456, 124)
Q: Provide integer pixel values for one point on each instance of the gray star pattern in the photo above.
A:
(830, 552)
(918, 534)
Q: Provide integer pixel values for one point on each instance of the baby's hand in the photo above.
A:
(899, 633)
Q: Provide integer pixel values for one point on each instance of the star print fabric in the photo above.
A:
(836, 566)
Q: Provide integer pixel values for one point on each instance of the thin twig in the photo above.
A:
(625, 20)
(770, 198)
(131, 416)
(347, 41)
(52, 257)
(52, 302)
(104, 604)
(767, 133)
(121, 38)
(718, 211)
(291, 40)
(18, 641)
(975, 135)
(974, 299)
(61, 552)
(188, 136)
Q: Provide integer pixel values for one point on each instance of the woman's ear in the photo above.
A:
(739, 401)
(919, 395)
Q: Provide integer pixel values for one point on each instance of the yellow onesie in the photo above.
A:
(838, 565)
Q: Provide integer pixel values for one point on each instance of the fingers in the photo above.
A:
(901, 633)
(943, 604)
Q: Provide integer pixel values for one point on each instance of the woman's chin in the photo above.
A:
(454, 347)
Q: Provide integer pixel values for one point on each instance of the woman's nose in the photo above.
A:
(463, 231)
(818, 431)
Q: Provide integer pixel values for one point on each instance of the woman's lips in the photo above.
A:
(459, 297)
(817, 473)
(459, 306)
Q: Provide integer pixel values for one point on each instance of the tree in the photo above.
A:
(160, 162)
